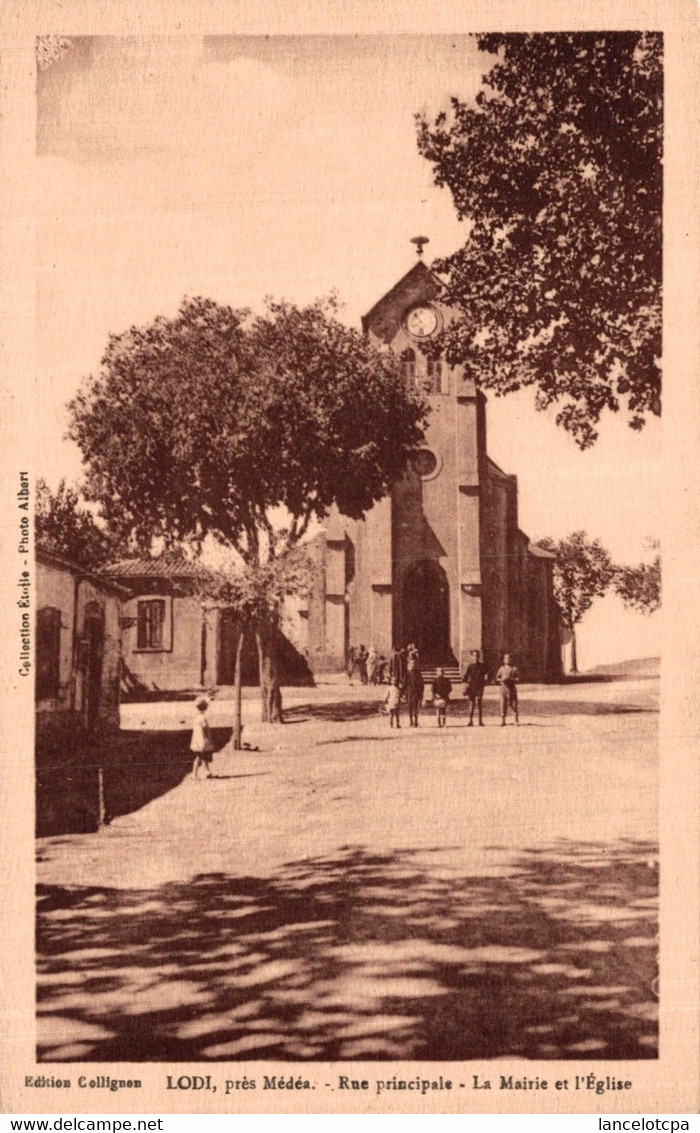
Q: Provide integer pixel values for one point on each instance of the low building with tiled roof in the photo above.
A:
(165, 629)
(171, 566)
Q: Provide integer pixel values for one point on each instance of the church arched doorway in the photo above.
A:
(426, 611)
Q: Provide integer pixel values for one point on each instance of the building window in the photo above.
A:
(435, 375)
(150, 624)
(408, 365)
(426, 463)
(48, 652)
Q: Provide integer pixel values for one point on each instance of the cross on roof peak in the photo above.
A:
(420, 241)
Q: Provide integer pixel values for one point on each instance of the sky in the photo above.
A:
(240, 167)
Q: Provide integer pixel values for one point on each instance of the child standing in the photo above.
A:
(201, 744)
(393, 703)
(442, 687)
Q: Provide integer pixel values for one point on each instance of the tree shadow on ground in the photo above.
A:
(605, 678)
(556, 707)
(339, 711)
(550, 954)
(137, 767)
(345, 711)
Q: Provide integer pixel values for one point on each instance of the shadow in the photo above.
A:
(137, 767)
(339, 711)
(550, 954)
(554, 706)
(494, 721)
(635, 669)
(156, 695)
(131, 685)
(362, 739)
(293, 666)
(605, 678)
(247, 775)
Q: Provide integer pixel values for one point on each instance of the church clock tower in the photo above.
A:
(440, 561)
(426, 584)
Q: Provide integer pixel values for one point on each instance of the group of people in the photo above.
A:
(374, 668)
(411, 690)
(476, 677)
(406, 684)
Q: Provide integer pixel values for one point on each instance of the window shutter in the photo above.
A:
(48, 652)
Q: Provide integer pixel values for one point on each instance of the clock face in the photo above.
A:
(421, 321)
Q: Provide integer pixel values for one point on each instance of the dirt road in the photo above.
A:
(352, 892)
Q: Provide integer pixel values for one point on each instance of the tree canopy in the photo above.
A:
(558, 168)
(217, 423)
(203, 423)
(67, 528)
(583, 571)
(639, 586)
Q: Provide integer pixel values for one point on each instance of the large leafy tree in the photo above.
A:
(65, 526)
(583, 571)
(217, 423)
(558, 168)
(639, 586)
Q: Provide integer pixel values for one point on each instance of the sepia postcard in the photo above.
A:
(350, 532)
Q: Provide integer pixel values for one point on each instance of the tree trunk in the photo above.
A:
(271, 696)
(237, 693)
(574, 661)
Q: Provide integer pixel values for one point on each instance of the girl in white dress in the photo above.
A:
(201, 744)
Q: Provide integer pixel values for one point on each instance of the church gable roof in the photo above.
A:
(384, 318)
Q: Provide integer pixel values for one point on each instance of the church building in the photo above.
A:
(441, 561)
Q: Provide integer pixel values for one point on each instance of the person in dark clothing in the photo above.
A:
(442, 687)
(413, 687)
(475, 678)
(397, 665)
(361, 660)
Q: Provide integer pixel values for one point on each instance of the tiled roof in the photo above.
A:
(171, 564)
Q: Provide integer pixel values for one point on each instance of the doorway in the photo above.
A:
(426, 612)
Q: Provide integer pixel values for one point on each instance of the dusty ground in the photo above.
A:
(352, 892)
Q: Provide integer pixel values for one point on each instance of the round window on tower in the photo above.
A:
(425, 463)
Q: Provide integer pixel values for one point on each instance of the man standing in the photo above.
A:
(508, 677)
(413, 687)
(475, 678)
